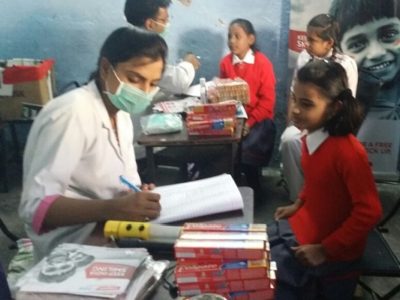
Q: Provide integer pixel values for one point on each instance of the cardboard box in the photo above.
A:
(31, 81)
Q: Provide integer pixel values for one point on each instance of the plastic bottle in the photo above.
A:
(203, 90)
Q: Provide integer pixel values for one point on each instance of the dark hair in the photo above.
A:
(138, 11)
(331, 79)
(329, 29)
(248, 28)
(128, 42)
(349, 13)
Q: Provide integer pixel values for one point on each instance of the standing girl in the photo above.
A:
(249, 64)
(322, 43)
(318, 240)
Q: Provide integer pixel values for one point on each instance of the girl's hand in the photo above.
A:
(284, 212)
(246, 130)
(139, 206)
(310, 255)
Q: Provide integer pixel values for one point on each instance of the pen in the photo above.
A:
(130, 185)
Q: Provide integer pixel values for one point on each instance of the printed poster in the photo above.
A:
(370, 33)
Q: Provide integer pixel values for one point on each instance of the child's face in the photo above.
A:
(375, 46)
(315, 45)
(310, 106)
(239, 41)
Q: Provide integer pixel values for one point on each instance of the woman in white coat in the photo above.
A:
(81, 142)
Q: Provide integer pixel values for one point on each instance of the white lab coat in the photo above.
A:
(72, 151)
(177, 78)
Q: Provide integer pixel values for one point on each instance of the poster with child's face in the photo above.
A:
(370, 34)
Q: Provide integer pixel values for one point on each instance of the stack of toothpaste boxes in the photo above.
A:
(229, 260)
(218, 119)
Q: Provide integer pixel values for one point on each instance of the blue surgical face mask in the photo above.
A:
(129, 98)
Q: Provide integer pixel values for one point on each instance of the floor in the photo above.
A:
(274, 195)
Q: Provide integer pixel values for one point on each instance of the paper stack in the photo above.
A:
(218, 119)
(230, 260)
(74, 271)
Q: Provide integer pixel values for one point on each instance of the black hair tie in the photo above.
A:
(345, 94)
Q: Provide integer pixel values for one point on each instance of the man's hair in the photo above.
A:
(349, 13)
(138, 11)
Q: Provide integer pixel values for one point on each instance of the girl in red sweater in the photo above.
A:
(318, 240)
(249, 64)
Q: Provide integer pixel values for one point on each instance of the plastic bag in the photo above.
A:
(161, 123)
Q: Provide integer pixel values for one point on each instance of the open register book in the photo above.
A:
(75, 272)
(198, 198)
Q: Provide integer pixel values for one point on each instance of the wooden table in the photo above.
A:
(182, 139)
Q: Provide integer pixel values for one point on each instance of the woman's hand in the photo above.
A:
(139, 206)
(147, 187)
(310, 255)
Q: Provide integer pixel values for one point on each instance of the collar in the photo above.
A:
(315, 139)
(248, 58)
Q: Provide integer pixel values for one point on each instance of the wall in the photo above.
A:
(72, 33)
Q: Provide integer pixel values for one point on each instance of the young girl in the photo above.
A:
(248, 63)
(318, 240)
(322, 43)
(81, 142)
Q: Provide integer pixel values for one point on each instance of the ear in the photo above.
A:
(252, 39)
(148, 24)
(104, 67)
(330, 43)
(338, 106)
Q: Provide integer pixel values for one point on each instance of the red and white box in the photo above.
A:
(224, 227)
(221, 272)
(225, 286)
(227, 235)
(208, 249)
(225, 108)
(267, 294)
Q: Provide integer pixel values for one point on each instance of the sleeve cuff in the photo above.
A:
(41, 213)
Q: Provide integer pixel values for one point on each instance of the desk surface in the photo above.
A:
(183, 139)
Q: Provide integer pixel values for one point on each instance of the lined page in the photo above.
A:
(198, 198)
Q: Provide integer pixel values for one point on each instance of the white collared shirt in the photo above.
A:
(348, 63)
(248, 58)
(316, 139)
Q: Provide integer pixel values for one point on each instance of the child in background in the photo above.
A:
(370, 33)
(322, 43)
(248, 63)
(318, 240)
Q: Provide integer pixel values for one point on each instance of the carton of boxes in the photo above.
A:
(230, 260)
(28, 81)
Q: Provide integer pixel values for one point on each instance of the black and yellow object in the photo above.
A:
(123, 229)
(141, 230)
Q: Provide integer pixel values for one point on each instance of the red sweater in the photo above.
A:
(261, 80)
(341, 203)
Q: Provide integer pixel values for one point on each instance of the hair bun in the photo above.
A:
(345, 94)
